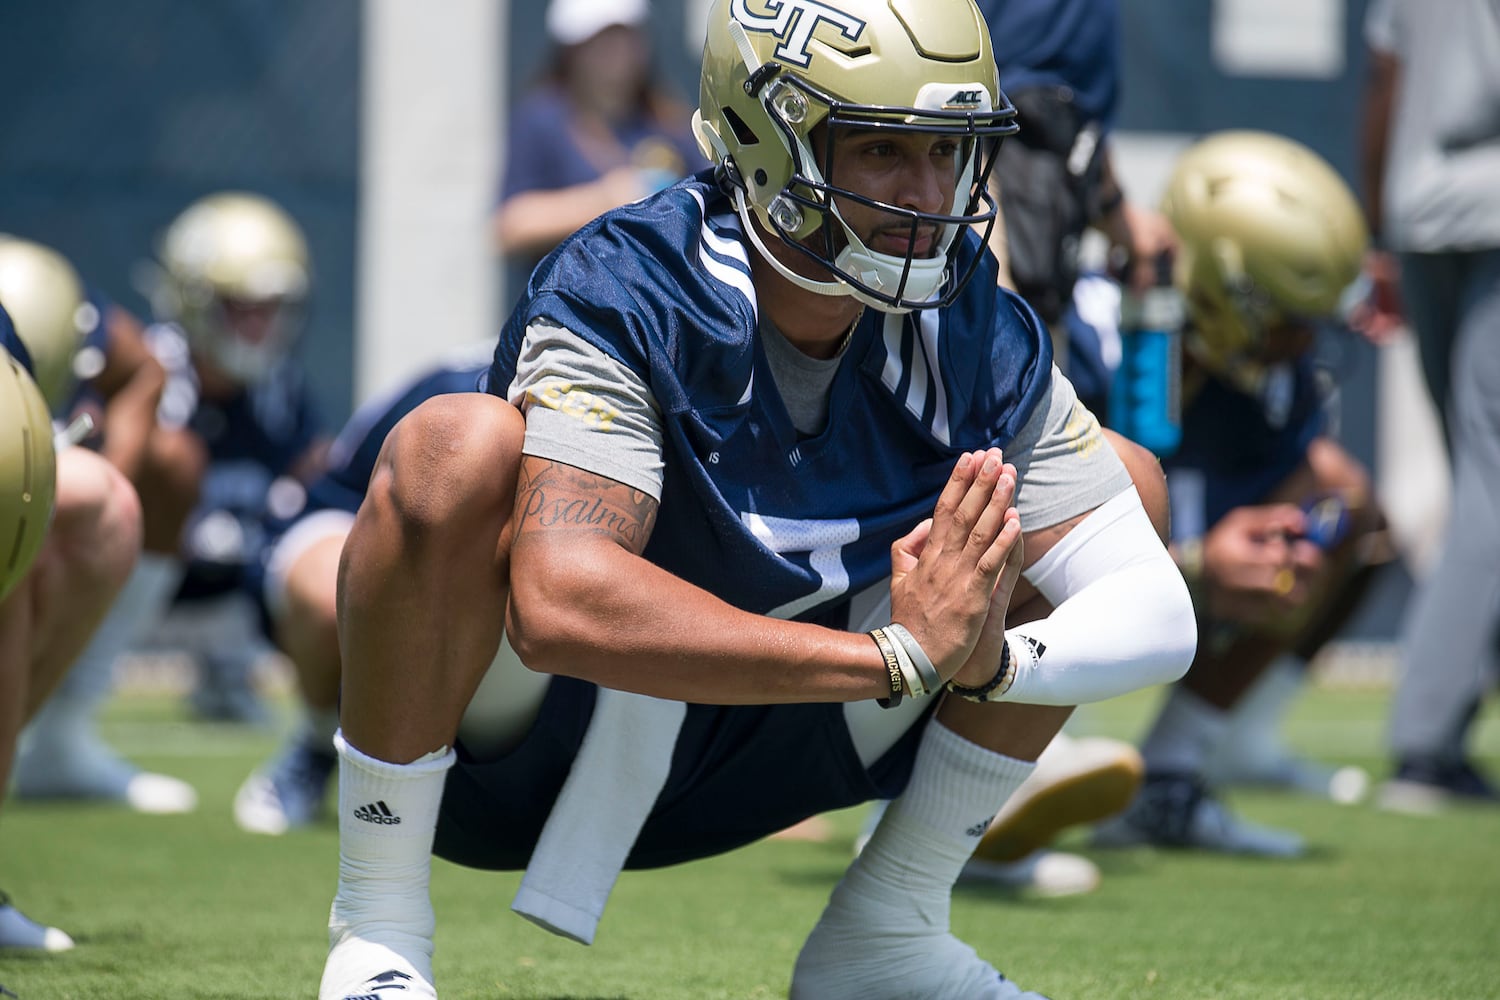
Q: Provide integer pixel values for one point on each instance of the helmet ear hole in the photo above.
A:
(743, 133)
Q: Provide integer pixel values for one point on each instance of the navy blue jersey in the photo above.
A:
(253, 438)
(11, 341)
(271, 423)
(1243, 447)
(663, 286)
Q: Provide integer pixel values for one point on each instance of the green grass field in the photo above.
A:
(190, 908)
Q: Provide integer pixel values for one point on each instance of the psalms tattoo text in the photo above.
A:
(554, 496)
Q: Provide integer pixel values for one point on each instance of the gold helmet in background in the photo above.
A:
(1270, 240)
(28, 471)
(45, 299)
(235, 278)
(775, 70)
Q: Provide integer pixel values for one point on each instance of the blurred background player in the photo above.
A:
(239, 425)
(91, 359)
(235, 414)
(1061, 61)
(299, 578)
(1273, 523)
(1432, 195)
(599, 130)
(72, 529)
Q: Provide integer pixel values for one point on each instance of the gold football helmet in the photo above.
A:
(776, 70)
(28, 472)
(1270, 239)
(235, 278)
(45, 299)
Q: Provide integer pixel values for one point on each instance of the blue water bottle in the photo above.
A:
(1145, 397)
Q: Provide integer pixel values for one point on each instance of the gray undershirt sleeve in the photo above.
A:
(1065, 464)
(583, 408)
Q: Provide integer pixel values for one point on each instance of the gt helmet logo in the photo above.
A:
(794, 21)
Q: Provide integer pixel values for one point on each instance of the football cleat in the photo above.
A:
(1177, 810)
(392, 982)
(1422, 788)
(17, 930)
(388, 957)
(1077, 780)
(286, 793)
(83, 767)
(1348, 785)
(859, 950)
(1043, 873)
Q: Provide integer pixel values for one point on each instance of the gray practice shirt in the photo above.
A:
(1442, 179)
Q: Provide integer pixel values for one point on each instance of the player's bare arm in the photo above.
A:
(556, 499)
(584, 603)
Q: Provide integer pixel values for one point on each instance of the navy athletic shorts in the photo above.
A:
(739, 773)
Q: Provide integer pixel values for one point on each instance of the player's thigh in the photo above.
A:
(301, 585)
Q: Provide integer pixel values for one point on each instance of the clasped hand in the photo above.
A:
(1256, 565)
(952, 576)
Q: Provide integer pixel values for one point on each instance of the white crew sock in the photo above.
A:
(1186, 731)
(382, 918)
(885, 930)
(138, 608)
(61, 753)
(1253, 739)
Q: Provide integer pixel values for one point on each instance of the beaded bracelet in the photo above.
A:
(1001, 682)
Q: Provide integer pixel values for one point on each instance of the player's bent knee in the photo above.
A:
(451, 462)
(98, 521)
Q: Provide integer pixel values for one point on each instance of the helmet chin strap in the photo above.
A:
(924, 275)
(835, 287)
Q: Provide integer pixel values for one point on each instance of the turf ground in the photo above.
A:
(189, 908)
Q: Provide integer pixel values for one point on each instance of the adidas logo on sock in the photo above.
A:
(377, 812)
(978, 829)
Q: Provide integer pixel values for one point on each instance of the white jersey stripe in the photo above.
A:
(923, 379)
(928, 319)
(890, 332)
(717, 246)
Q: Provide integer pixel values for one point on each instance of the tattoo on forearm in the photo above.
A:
(556, 497)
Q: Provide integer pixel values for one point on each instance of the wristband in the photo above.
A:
(914, 686)
(929, 680)
(1005, 675)
(892, 665)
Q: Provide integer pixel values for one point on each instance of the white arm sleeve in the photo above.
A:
(1122, 618)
